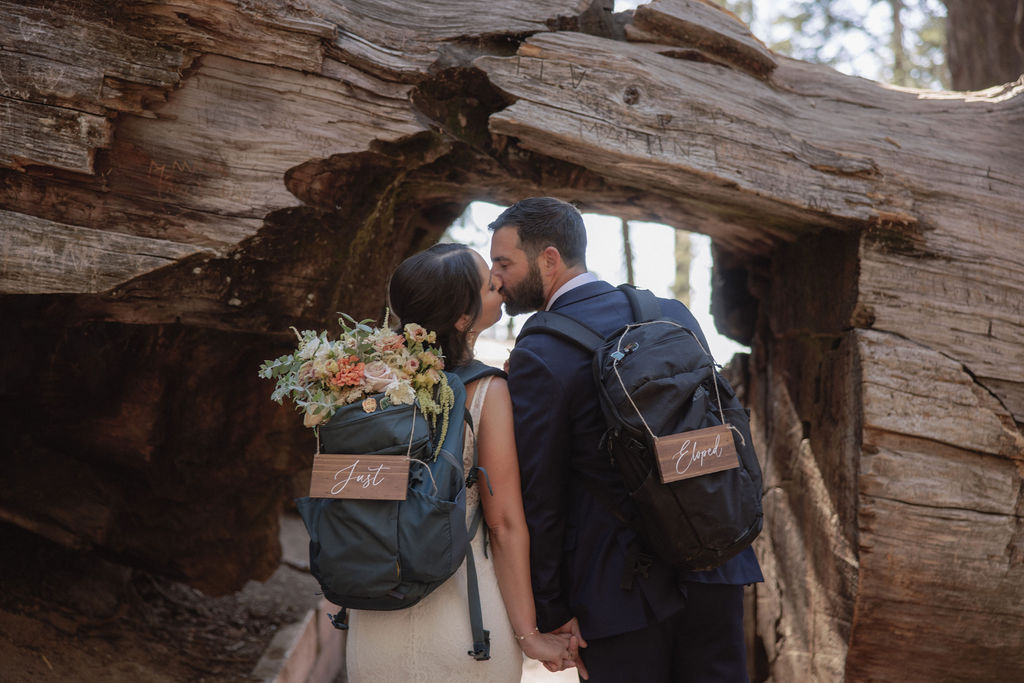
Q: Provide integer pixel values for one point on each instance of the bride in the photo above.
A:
(449, 289)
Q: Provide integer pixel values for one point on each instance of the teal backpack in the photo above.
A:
(390, 554)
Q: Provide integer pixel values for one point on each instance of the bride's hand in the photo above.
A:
(550, 648)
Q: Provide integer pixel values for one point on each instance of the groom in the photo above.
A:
(637, 620)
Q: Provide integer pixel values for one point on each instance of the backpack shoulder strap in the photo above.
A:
(471, 372)
(481, 651)
(563, 327)
(481, 637)
(476, 369)
(643, 303)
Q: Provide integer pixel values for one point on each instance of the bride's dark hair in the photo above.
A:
(435, 288)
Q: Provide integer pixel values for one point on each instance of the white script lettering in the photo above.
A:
(688, 452)
(373, 476)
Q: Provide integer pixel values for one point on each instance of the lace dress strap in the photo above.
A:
(477, 406)
(475, 409)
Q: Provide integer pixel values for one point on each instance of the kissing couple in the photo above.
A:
(562, 583)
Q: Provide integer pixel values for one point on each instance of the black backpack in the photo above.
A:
(390, 554)
(654, 379)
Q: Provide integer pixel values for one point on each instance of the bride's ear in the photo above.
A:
(463, 323)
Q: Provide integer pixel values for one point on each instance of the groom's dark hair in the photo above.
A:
(547, 222)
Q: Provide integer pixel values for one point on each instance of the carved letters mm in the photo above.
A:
(372, 477)
(691, 454)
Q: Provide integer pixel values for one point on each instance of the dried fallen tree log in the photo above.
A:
(860, 197)
(182, 183)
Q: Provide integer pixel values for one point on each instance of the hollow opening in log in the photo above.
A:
(866, 248)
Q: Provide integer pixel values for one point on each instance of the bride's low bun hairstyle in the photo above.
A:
(435, 288)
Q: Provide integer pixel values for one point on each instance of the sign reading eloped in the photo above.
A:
(372, 477)
(691, 454)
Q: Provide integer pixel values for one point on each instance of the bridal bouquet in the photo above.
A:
(322, 375)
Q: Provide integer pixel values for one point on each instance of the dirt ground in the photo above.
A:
(68, 616)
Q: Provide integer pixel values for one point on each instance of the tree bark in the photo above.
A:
(627, 252)
(984, 42)
(183, 182)
(899, 54)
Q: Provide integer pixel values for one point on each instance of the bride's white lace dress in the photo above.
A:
(429, 641)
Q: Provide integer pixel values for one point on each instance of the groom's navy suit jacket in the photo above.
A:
(577, 546)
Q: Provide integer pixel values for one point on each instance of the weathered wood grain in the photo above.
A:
(676, 126)
(805, 398)
(699, 26)
(935, 582)
(38, 255)
(941, 496)
(166, 166)
(817, 159)
(70, 39)
(401, 41)
(284, 35)
(30, 78)
(266, 121)
(965, 302)
(917, 391)
(50, 136)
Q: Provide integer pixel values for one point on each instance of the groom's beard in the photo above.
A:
(527, 296)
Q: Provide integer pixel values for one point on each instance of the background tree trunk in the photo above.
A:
(984, 42)
(182, 183)
(627, 252)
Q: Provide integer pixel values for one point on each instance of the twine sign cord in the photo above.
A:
(714, 374)
(412, 431)
(408, 451)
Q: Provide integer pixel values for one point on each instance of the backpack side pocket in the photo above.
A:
(358, 554)
(426, 548)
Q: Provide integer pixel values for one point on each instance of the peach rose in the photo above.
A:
(389, 342)
(378, 375)
(415, 333)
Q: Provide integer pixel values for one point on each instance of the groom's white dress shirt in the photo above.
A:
(577, 281)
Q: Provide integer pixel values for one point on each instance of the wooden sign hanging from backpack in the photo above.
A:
(691, 454)
(368, 477)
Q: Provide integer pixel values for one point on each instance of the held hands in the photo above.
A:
(549, 648)
(576, 641)
(558, 650)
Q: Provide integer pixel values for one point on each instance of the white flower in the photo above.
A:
(309, 348)
(320, 367)
(400, 393)
(351, 396)
(323, 352)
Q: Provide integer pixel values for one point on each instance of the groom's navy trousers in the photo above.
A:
(578, 547)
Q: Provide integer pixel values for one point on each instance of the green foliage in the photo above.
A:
(744, 9)
(928, 60)
(902, 40)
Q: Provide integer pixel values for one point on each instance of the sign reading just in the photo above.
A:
(370, 477)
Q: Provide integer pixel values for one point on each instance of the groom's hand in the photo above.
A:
(572, 627)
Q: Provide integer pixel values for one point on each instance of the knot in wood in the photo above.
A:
(631, 95)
